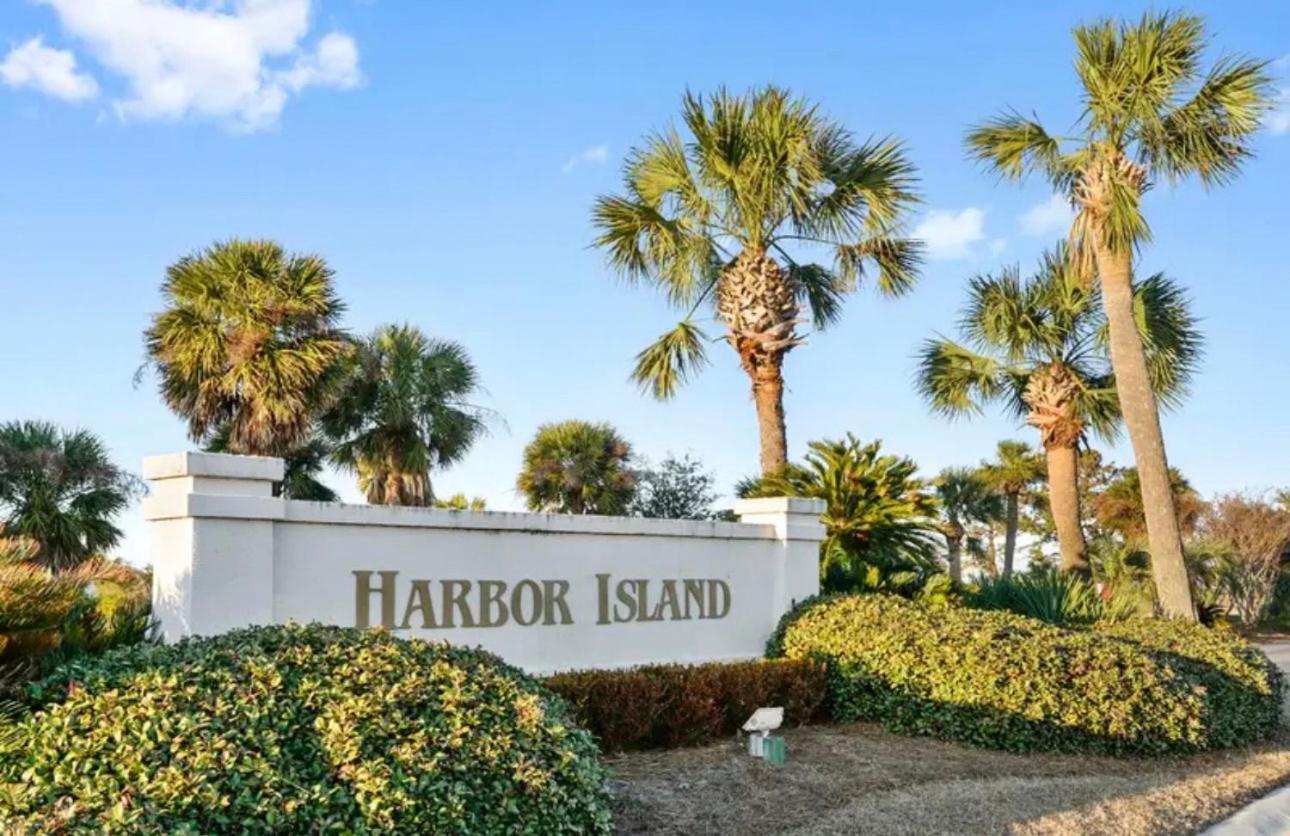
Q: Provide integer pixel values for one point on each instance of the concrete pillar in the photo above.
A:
(797, 524)
(210, 522)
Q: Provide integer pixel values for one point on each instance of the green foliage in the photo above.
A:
(576, 467)
(1004, 681)
(677, 489)
(1061, 598)
(879, 520)
(664, 706)
(249, 343)
(403, 409)
(60, 491)
(303, 467)
(461, 502)
(763, 172)
(299, 730)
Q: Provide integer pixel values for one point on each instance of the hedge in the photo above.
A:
(299, 730)
(1005, 681)
(664, 706)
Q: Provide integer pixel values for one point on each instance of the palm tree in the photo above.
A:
(248, 342)
(879, 518)
(403, 409)
(1015, 469)
(303, 465)
(1038, 346)
(1148, 112)
(576, 467)
(733, 216)
(964, 498)
(1118, 506)
(59, 491)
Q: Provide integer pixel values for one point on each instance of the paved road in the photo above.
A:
(1270, 815)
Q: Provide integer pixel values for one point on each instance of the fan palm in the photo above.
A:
(733, 216)
(303, 464)
(576, 467)
(1015, 469)
(59, 492)
(403, 409)
(964, 498)
(1149, 111)
(879, 519)
(1039, 347)
(248, 343)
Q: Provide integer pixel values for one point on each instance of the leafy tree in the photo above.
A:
(677, 489)
(59, 491)
(733, 217)
(577, 467)
(1038, 347)
(1148, 111)
(304, 463)
(461, 502)
(1118, 506)
(879, 520)
(1014, 471)
(404, 409)
(964, 498)
(1247, 535)
(248, 343)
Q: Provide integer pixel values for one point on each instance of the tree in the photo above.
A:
(303, 465)
(677, 489)
(1248, 535)
(879, 519)
(1118, 506)
(577, 467)
(964, 498)
(248, 343)
(1014, 471)
(403, 410)
(732, 217)
(59, 491)
(1038, 347)
(1148, 112)
(461, 502)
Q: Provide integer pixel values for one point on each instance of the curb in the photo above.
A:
(1269, 816)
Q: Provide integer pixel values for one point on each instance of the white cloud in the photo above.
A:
(1049, 218)
(596, 154)
(51, 71)
(953, 235)
(232, 61)
(1277, 120)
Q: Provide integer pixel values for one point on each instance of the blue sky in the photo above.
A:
(444, 158)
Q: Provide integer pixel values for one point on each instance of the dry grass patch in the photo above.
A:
(859, 778)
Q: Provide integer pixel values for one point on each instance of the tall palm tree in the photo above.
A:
(878, 519)
(577, 467)
(1015, 469)
(248, 342)
(403, 409)
(1149, 111)
(964, 498)
(59, 491)
(733, 216)
(1038, 346)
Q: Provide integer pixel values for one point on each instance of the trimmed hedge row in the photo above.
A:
(299, 730)
(1001, 680)
(664, 706)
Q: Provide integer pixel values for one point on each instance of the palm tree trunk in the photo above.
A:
(1142, 417)
(1063, 499)
(1010, 536)
(768, 394)
(955, 545)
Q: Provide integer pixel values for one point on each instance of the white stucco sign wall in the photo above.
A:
(545, 592)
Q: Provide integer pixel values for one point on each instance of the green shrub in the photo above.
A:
(685, 705)
(299, 730)
(1052, 597)
(1005, 681)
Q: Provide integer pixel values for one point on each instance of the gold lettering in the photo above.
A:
(454, 601)
(553, 593)
(517, 600)
(694, 592)
(716, 610)
(625, 598)
(642, 598)
(419, 599)
(667, 600)
(362, 599)
(602, 599)
(490, 596)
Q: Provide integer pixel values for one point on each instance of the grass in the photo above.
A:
(860, 778)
